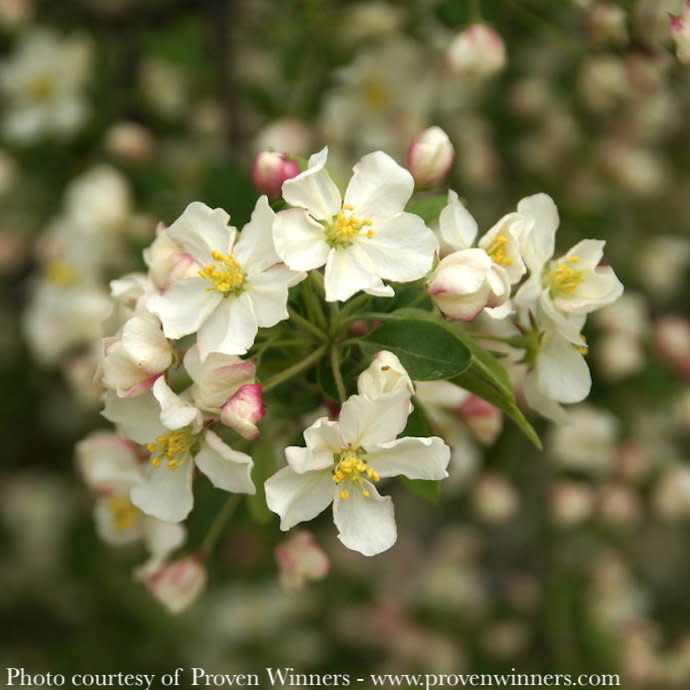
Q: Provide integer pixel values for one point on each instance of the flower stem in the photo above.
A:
(295, 369)
(337, 374)
(307, 324)
(219, 522)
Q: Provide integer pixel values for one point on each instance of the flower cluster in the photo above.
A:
(222, 317)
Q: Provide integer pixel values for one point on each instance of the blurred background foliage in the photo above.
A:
(571, 560)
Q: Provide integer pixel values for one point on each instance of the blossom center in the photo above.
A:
(497, 251)
(225, 275)
(377, 95)
(351, 465)
(123, 512)
(344, 227)
(61, 274)
(174, 447)
(41, 88)
(564, 279)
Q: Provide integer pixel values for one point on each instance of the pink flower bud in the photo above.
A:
(300, 559)
(244, 411)
(484, 420)
(270, 170)
(176, 585)
(571, 503)
(478, 51)
(680, 33)
(129, 142)
(672, 340)
(430, 156)
(495, 499)
(465, 282)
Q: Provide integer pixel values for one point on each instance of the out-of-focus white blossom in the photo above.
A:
(176, 584)
(476, 52)
(300, 560)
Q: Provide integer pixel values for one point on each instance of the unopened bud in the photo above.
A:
(680, 33)
(478, 51)
(430, 156)
(672, 340)
(301, 559)
(495, 499)
(244, 410)
(176, 585)
(270, 170)
(605, 24)
(384, 375)
(466, 282)
(484, 420)
(571, 503)
(129, 142)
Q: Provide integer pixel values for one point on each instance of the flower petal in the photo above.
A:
(298, 497)
(175, 411)
(161, 538)
(367, 422)
(379, 186)
(365, 523)
(457, 228)
(350, 270)
(167, 493)
(201, 230)
(403, 248)
(323, 440)
(184, 306)
(562, 373)
(244, 410)
(299, 240)
(269, 294)
(539, 240)
(231, 328)
(227, 469)
(314, 189)
(415, 458)
(255, 250)
(138, 418)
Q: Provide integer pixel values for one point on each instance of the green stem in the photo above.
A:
(312, 287)
(219, 522)
(337, 374)
(475, 10)
(295, 369)
(354, 304)
(307, 324)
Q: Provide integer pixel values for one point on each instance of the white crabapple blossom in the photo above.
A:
(466, 282)
(111, 466)
(172, 431)
(224, 386)
(341, 463)
(133, 360)
(176, 584)
(363, 238)
(239, 286)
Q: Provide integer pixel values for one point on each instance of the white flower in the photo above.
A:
(384, 375)
(466, 282)
(224, 387)
(239, 287)
(476, 52)
(172, 431)
(341, 463)
(362, 239)
(42, 83)
(111, 466)
(135, 359)
(457, 228)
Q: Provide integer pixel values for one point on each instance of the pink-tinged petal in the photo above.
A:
(175, 585)
(175, 412)
(138, 418)
(227, 469)
(167, 493)
(365, 523)
(298, 497)
(184, 306)
(145, 343)
(201, 230)
(255, 250)
(368, 422)
(314, 189)
(231, 328)
(139, 388)
(403, 248)
(269, 294)
(456, 226)
(379, 186)
(299, 240)
(350, 270)
(415, 458)
(244, 410)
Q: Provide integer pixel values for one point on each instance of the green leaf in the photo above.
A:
(427, 349)
(428, 209)
(262, 452)
(483, 375)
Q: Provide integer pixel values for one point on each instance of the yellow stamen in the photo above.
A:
(564, 279)
(41, 88)
(61, 274)
(226, 276)
(173, 447)
(124, 513)
(341, 232)
(497, 251)
(377, 95)
(350, 465)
